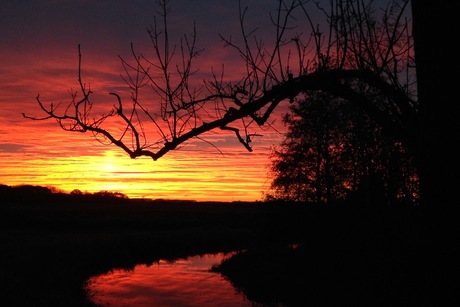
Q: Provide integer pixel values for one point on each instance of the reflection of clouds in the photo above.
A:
(180, 283)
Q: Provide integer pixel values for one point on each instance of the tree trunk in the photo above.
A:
(437, 71)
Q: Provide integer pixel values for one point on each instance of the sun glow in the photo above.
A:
(109, 163)
(46, 63)
(194, 174)
(40, 153)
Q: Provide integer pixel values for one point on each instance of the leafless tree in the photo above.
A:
(359, 53)
(355, 55)
(356, 48)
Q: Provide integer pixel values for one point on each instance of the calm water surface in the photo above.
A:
(180, 283)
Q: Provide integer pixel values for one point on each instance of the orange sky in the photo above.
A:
(38, 55)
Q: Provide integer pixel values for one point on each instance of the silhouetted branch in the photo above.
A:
(357, 59)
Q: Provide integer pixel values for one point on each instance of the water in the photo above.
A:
(185, 282)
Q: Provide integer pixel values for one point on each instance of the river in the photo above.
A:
(180, 283)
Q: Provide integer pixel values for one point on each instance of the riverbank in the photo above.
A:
(51, 245)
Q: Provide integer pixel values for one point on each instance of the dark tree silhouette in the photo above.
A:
(436, 131)
(356, 51)
(331, 149)
(357, 57)
(308, 166)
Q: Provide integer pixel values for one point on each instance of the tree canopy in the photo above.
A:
(333, 151)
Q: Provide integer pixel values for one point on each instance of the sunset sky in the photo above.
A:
(39, 55)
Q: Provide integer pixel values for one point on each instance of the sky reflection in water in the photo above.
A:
(184, 282)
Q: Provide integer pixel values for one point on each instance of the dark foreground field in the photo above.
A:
(346, 255)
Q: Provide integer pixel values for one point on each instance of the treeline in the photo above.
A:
(33, 193)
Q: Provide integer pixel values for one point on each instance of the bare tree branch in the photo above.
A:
(356, 58)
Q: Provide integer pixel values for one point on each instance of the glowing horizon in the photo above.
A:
(200, 173)
(41, 57)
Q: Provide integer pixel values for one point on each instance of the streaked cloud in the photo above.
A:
(38, 55)
(8, 147)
